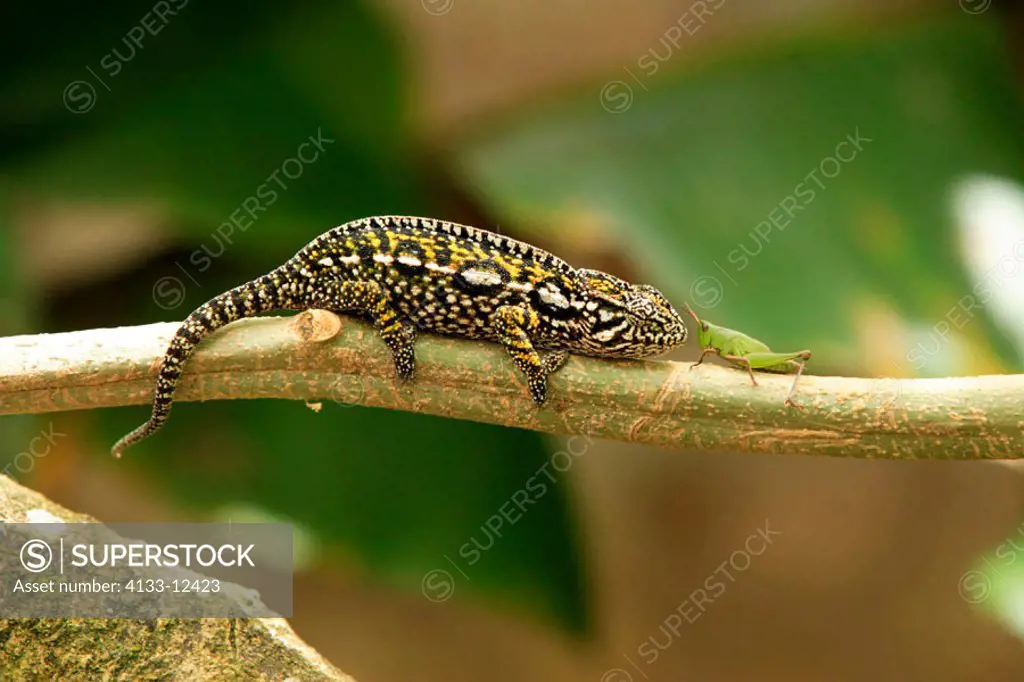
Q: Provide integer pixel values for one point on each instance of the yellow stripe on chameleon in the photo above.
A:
(511, 267)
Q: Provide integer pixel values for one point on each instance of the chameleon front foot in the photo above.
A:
(538, 389)
(513, 324)
(402, 344)
(537, 377)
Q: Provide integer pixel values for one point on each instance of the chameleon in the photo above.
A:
(405, 273)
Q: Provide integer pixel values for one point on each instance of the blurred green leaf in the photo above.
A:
(204, 142)
(695, 167)
(16, 297)
(16, 305)
(996, 583)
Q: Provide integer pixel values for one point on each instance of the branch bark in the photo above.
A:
(146, 649)
(318, 356)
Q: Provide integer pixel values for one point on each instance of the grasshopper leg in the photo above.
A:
(742, 362)
(704, 353)
(804, 357)
(792, 389)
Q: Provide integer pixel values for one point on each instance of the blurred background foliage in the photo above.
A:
(663, 143)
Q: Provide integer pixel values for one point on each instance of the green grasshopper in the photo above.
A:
(748, 353)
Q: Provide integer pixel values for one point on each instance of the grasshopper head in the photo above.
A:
(623, 320)
(703, 328)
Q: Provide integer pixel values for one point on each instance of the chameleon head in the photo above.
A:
(624, 320)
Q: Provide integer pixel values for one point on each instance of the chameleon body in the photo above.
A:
(403, 273)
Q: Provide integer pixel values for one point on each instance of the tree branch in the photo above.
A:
(318, 356)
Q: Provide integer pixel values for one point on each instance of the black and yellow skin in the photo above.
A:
(405, 273)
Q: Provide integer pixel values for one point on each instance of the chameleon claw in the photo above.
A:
(539, 392)
(555, 360)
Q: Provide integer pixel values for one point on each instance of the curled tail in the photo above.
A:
(248, 300)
